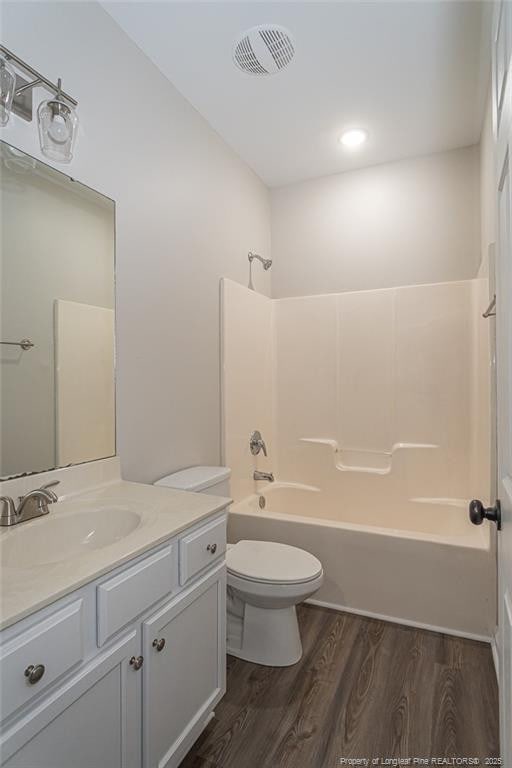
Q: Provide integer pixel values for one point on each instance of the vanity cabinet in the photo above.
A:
(134, 664)
(184, 669)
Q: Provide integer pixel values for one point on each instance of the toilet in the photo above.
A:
(211, 480)
(266, 580)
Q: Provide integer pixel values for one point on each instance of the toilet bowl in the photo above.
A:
(266, 581)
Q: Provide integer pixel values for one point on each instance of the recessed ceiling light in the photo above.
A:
(353, 138)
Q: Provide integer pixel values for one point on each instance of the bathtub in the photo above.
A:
(418, 562)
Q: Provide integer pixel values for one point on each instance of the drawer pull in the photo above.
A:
(211, 548)
(136, 662)
(159, 644)
(34, 673)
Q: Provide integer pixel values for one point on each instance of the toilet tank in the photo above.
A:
(212, 480)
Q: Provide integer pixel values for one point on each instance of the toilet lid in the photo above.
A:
(270, 562)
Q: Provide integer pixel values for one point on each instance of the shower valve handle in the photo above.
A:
(478, 513)
(257, 443)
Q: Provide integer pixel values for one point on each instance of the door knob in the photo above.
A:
(136, 662)
(159, 644)
(211, 548)
(478, 513)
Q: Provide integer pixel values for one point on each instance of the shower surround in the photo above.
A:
(375, 409)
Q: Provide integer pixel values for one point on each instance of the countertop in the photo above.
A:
(164, 513)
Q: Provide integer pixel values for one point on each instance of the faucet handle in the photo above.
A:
(8, 514)
(257, 443)
(51, 484)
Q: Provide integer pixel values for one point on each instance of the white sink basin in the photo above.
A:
(57, 537)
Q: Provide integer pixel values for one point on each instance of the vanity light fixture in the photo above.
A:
(353, 138)
(58, 124)
(57, 119)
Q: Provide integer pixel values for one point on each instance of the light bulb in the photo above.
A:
(58, 130)
(58, 124)
(353, 138)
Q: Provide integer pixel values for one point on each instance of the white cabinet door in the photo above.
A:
(184, 673)
(93, 721)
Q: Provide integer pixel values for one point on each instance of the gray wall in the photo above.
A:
(414, 221)
(188, 211)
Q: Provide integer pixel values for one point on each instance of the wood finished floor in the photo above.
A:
(363, 689)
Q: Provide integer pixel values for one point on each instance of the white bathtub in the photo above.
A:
(420, 562)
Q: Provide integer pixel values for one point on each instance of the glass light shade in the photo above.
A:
(58, 126)
(15, 159)
(7, 88)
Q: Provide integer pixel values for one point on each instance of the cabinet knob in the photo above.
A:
(34, 673)
(159, 644)
(211, 548)
(136, 662)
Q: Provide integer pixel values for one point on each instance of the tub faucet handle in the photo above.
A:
(257, 443)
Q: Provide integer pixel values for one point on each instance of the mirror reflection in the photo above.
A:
(57, 383)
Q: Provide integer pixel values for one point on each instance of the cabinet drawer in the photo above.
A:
(124, 597)
(202, 548)
(52, 647)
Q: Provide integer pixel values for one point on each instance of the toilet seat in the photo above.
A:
(267, 562)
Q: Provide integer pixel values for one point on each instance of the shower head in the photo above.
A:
(267, 263)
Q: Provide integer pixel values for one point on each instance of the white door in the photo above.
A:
(184, 669)
(502, 117)
(93, 721)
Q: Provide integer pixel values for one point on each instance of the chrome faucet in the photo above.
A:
(269, 476)
(33, 504)
(257, 443)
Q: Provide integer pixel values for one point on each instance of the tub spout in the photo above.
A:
(269, 476)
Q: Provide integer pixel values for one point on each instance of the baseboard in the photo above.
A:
(496, 658)
(405, 622)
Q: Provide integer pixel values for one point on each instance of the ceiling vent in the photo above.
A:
(264, 50)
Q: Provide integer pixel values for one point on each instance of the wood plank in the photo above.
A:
(363, 688)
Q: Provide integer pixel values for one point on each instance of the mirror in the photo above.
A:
(57, 376)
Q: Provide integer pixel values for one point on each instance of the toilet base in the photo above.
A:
(268, 636)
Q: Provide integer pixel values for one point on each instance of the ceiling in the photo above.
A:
(414, 75)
